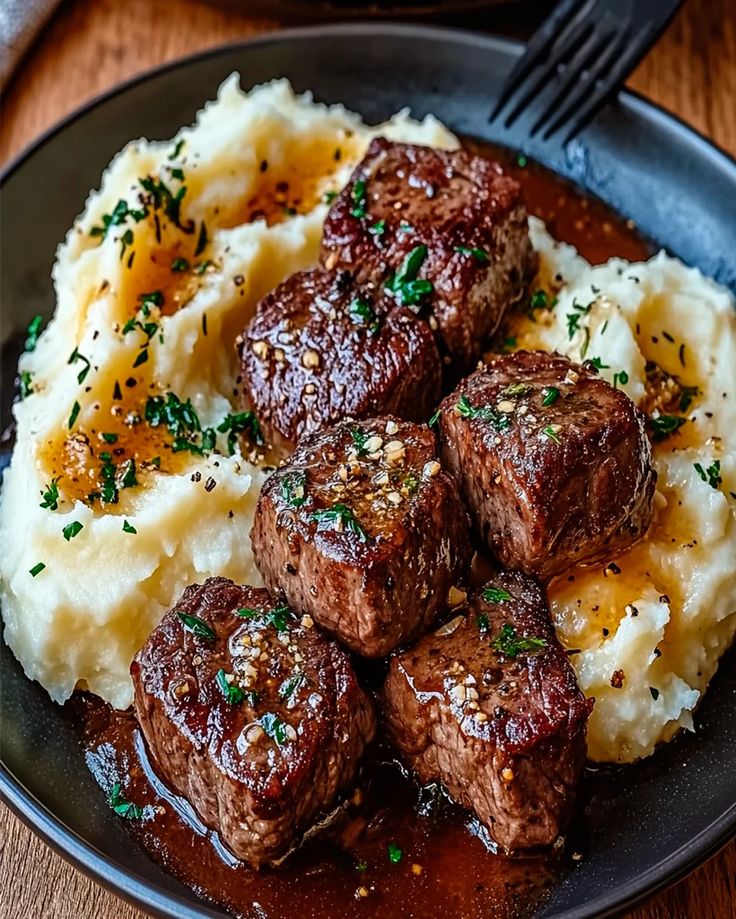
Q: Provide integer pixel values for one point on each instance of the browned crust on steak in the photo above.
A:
(506, 735)
(320, 349)
(452, 203)
(548, 486)
(382, 575)
(258, 792)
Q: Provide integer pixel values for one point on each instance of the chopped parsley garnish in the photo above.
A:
(483, 623)
(25, 384)
(179, 417)
(203, 266)
(551, 394)
(279, 617)
(395, 854)
(153, 298)
(177, 149)
(508, 344)
(126, 240)
(597, 362)
(435, 418)
(410, 289)
(359, 440)
(75, 356)
(37, 569)
(510, 644)
(110, 438)
(362, 312)
(74, 414)
(687, 395)
(329, 197)
(479, 255)
(129, 480)
(178, 174)
(539, 301)
(119, 215)
(196, 626)
(378, 228)
(573, 324)
(109, 487)
(123, 808)
(339, 518)
(129, 528)
(180, 264)
(361, 866)
(51, 495)
(241, 423)
(550, 433)
(291, 686)
(664, 425)
(499, 420)
(32, 333)
(654, 693)
(711, 475)
(358, 196)
(621, 377)
(161, 197)
(72, 529)
(201, 240)
(274, 727)
(496, 595)
(233, 694)
(141, 358)
(294, 488)
(521, 161)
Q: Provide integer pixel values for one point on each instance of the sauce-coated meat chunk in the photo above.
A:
(489, 706)
(445, 233)
(362, 530)
(319, 349)
(253, 716)
(554, 464)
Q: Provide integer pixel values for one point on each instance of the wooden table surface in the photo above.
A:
(92, 44)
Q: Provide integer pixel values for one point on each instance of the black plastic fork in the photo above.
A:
(577, 59)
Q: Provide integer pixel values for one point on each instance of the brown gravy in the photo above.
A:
(445, 868)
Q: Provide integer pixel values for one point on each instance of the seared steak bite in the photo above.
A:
(554, 464)
(250, 714)
(444, 233)
(489, 705)
(320, 349)
(362, 530)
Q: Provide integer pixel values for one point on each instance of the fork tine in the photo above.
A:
(569, 43)
(601, 95)
(542, 40)
(593, 57)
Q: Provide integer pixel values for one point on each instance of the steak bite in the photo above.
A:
(489, 705)
(362, 530)
(255, 718)
(553, 463)
(445, 233)
(319, 349)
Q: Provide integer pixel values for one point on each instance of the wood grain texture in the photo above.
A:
(89, 46)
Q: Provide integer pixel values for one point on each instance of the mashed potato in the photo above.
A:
(151, 294)
(649, 629)
(240, 231)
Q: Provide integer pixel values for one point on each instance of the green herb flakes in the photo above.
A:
(50, 496)
(123, 808)
(499, 420)
(551, 394)
(480, 255)
(711, 475)
(358, 196)
(179, 264)
(434, 420)
(291, 686)
(32, 333)
(339, 518)
(621, 377)
(665, 425)
(395, 854)
(496, 595)
(361, 312)
(129, 528)
(274, 727)
(37, 569)
(25, 384)
(72, 529)
(241, 423)
(550, 433)
(196, 626)
(405, 284)
(294, 488)
(511, 645)
(233, 694)
(73, 415)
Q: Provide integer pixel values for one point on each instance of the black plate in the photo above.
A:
(659, 818)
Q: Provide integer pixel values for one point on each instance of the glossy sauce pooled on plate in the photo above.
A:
(389, 849)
